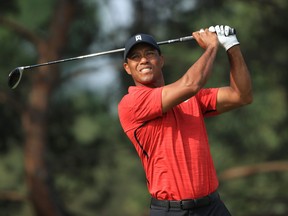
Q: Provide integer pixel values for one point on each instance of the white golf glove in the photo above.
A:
(226, 39)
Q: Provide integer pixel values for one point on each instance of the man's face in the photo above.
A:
(144, 64)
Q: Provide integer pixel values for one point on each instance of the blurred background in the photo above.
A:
(62, 150)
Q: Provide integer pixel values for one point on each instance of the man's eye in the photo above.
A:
(150, 54)
(135, 56)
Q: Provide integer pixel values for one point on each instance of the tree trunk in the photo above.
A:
(34, 118)
(34, 121)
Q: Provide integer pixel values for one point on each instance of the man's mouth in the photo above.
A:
(146, 70)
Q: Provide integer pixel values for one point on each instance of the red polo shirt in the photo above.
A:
(173, 146)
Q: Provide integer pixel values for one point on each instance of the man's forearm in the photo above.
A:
(198, 74)
(240, 79)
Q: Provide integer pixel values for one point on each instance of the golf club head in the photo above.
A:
(15, 77)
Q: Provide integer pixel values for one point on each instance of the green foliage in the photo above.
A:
(83, 30)
(94, 166)
(12, 179)
(35, 14)
(90, 161)
(11, 170)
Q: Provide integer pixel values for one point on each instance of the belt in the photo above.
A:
(186, 204)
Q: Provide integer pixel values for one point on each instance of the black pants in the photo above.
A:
(215, 208)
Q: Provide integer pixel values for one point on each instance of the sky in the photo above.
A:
(115, 13)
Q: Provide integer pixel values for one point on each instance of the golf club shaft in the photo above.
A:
(73, 58)
(16, 75)
(182, 39)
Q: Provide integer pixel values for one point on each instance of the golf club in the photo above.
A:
(16, 74)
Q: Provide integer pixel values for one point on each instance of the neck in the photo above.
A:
(157, 84)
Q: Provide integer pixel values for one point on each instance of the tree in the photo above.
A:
(88, 154)
(34, 113)
(80, 143)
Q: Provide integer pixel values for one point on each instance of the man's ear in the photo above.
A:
(126, 67)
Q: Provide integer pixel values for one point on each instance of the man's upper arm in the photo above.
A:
(227, 99)
(175, 94)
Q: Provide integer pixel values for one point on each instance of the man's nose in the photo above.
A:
(143, 58)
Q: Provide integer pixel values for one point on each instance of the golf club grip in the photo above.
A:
(182, 39)
(187, 38)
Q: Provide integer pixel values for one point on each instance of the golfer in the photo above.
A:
(165, 121)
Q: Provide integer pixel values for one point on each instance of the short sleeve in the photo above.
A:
(207, 98)
(139, 106)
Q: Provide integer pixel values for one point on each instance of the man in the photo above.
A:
(165, 122)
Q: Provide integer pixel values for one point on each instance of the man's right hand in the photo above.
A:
(205, 38)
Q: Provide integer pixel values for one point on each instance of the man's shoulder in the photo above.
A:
(138, 93)
(132, 90)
